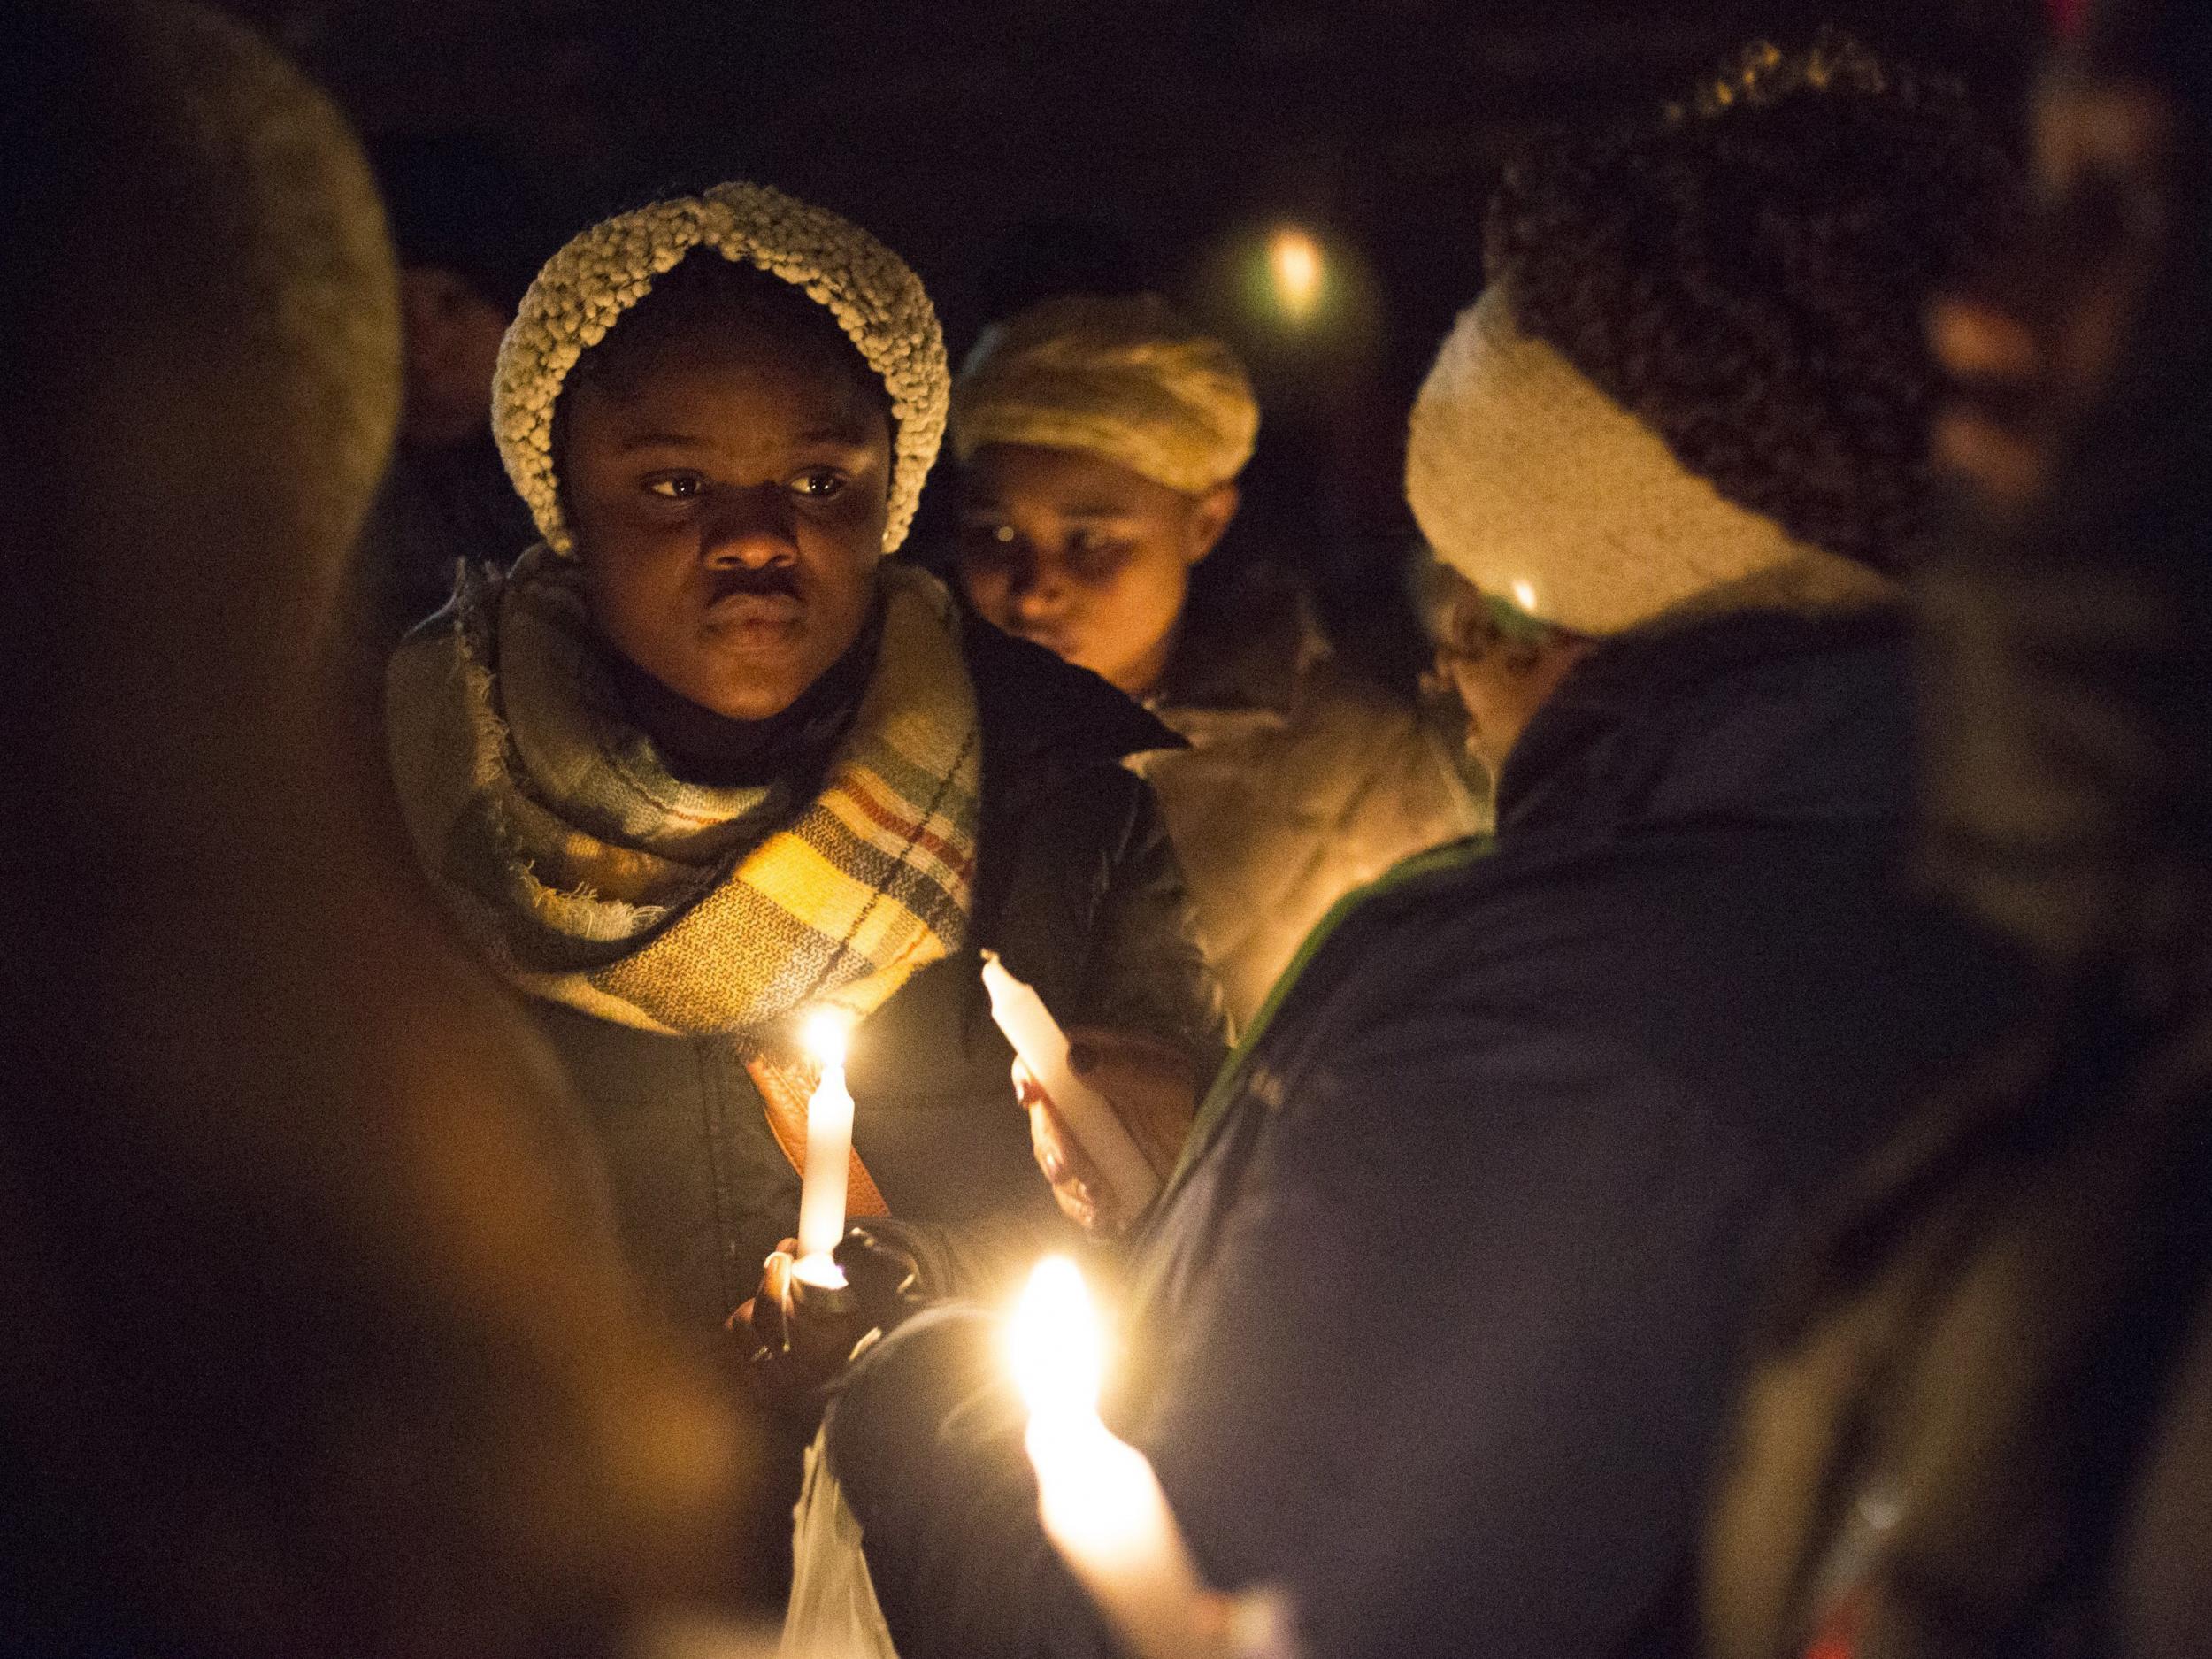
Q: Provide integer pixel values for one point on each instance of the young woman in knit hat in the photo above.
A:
(1100, 440)
(702, 762)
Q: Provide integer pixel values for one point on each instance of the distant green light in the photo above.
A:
(1299, 272)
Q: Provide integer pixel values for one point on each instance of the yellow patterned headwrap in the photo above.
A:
(1126, 378)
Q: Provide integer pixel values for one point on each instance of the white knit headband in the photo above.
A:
(1536, 485)
(587, 286)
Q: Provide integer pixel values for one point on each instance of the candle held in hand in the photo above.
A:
(1100, 1502)
(829, 1150)
(1091, 1119)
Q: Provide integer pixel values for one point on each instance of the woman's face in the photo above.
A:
(1083, 555)
(728, 496)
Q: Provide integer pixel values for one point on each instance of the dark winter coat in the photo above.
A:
(1435, 1328)
(1076, 886)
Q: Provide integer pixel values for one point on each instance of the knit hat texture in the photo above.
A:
(1123, 377)
(1536, 485)
(586, 287)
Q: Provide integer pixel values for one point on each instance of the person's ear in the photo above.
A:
(1463, 628)
(1210, 521)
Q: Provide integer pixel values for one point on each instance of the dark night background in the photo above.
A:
(1008, 149)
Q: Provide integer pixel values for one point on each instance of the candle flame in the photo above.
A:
(826, 1032)
(1524, 597)
(1057, 1346)
(820, 1270)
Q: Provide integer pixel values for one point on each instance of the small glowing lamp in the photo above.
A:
(1295, 260)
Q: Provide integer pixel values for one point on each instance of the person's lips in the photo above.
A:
(1053, 641)
(754, 604)
(739, 608)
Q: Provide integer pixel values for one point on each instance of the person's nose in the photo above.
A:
(748, 528)
(1039, 592)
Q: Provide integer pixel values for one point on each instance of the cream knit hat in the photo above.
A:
(1536, 485)
(587, 286)
(1124, 377)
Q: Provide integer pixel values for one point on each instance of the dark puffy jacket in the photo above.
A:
(1435, 1328)
(1076, 886)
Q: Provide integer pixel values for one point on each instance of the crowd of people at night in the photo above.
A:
(1693, 1140)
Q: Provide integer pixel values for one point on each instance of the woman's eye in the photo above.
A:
(989, 547)
(1091, 556)
(678, 487)
(820, 484)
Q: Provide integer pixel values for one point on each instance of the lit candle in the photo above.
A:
(829, 1150)
(1100, 1502)
(1090, 1117)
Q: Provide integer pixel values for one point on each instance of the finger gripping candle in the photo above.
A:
(1090, 1116)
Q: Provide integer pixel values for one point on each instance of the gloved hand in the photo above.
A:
(798, 1336)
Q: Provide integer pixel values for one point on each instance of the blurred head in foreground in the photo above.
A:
(2077, 433)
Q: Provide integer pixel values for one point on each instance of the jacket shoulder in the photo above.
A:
(1028, 698)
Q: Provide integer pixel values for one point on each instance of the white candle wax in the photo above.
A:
(1090, 1116)
(1103, 1509)
(829, 1147)
(1100, 1503)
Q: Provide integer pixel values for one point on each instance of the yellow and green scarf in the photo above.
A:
(593, 877)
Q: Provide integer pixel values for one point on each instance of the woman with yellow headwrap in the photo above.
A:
(1100, 440)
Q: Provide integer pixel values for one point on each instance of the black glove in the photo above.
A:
(885, 1273)
(796, 1338)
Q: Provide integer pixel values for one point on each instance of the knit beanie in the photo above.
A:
(1535, 485)
(584, 289)
(1124, 378)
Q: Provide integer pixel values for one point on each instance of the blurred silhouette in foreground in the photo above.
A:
(314, 1339)
(1982, 1423)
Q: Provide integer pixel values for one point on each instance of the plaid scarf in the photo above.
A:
(591, 876)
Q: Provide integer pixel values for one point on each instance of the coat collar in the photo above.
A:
(1036, 707)
(1749, 717)
(1247, 642)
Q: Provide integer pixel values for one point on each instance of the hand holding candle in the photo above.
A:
(1100, 1503)
(1091, 1119)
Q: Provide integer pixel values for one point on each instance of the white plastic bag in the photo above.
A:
(834, 1613)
